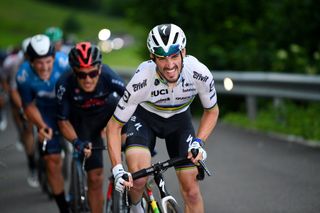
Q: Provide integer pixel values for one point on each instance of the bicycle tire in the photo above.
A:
(74, 188)
(118, 203)
(110, 189)
(78, 198)
(171, 207)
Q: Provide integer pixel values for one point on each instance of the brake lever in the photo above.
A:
(201, 162)
(45, 141)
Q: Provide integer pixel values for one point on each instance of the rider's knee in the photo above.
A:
(193, 195)
(95, 179)
(140, 183)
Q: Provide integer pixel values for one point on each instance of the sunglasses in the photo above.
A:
(83, 75)
(159, 51)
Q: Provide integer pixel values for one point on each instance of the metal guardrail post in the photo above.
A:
(251, 102)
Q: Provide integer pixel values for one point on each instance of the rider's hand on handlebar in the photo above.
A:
(44, 133)
(83, 147)
(202, 154)
(119, 182)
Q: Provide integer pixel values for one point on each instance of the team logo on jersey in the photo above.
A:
(159, 92)
(139, 85)
(200, 77)
(162, 100)
(23, 77)
(189, 90)
(126, 96)
(183, 98)
(133, 118)
(92, 103)
(117, 82)
(185, 83)
(60, 92)
(156, 82)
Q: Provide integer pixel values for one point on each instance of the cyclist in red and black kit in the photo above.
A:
(87, 97)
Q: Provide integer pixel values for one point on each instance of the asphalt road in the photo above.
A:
(253, 173)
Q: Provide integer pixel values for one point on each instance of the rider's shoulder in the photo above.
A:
(146, 68)
(192, 64)
(61, 59)
(66, 77)
(106, 70)
(24, 71)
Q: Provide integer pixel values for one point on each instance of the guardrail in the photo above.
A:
(262, 84)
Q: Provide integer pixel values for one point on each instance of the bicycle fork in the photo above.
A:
(164, 194)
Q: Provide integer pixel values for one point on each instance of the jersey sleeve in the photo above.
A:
(136, 92)
(205, 85)
(62, 61)
(24, 87)
(63, 102)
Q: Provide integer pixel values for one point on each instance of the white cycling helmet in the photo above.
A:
(40, 47)
(25, 44)
(166, 39)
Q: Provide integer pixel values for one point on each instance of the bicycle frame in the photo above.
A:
(158, 168)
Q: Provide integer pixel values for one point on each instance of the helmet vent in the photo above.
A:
(175, 38)
(155, 40)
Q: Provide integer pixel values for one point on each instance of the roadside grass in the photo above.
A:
(300, 121)
(21, 19)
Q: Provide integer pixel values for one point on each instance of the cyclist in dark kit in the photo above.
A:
(87, 97)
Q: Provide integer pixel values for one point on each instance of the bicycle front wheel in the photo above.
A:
(171, 207)
(74, 191)
(118, 203)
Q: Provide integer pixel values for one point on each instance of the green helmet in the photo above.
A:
(54, 33)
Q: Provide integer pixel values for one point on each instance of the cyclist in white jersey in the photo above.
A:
(156, 104)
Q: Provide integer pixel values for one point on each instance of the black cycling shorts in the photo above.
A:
(178, 131)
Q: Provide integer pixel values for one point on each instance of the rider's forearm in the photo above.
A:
(67, 130)
(16, 98)
(33, 114)
(113, 132)
(208, 122)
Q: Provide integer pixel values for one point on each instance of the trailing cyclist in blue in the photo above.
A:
(32, 88)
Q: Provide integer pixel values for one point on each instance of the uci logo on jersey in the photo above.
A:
(159, 92)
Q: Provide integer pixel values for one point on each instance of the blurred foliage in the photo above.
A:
(72, 25)
(34, 16)
(259, 35)
(244, 34)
